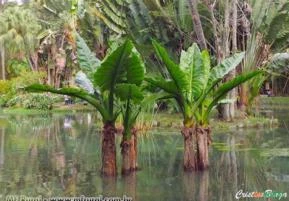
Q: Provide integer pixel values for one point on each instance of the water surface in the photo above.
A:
(59, 155)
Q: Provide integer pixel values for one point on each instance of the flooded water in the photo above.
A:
(59, 155)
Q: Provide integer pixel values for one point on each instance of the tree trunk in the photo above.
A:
(60, 64)
(33, 58)
(215, 26)
(129, 153)
(108, 150)
(203, 141)
(243, 97)
(126, 156)
(3, 69)
(189, 149)
(228, 109)
(133, 151)
(232, 74)
(197, 24)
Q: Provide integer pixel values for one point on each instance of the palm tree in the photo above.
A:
(123, 65)
(197, 89)
(17, 37)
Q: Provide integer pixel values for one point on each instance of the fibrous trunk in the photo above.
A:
(203, 141)
(133, 151)
(108, 150)
(129, 153)
(189, 149)
(196, 148)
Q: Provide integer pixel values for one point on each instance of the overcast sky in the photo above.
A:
(18, 1)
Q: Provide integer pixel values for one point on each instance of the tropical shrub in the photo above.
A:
(9, 88)
(197, 88)
(32, 101)
(122, 66)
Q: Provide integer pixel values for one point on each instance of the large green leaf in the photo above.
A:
(74, 92)
(225, 88)
(196, 64)
(129, 91)
(87, 61)
(123, 65)
(168, 86)
(176, 74)
(218, 72)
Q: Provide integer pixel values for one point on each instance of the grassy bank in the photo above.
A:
(166, 120)
(59, 108)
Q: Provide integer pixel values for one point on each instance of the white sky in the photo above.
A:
(18, 1)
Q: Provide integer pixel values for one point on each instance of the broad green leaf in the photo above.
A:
(176, 74)
(256, 83)
(218, 72)
(168, 86)
(225, 88)
(123, 65)
(196, 64)
(129, 91)
(135, 68)
(87, 61)
(74, 92)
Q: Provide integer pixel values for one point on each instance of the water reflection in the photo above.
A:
(2, 137)
(196, 186)
(59, 155)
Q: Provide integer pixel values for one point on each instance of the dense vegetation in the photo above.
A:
(117, 54)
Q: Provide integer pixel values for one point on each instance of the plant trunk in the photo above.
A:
(108, 150)
(189, 149)
(133, 151)
(197, 24)
(125, 152)
(203, 141)
(129, 154)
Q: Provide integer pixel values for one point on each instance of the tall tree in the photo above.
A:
(20, 41)
(198, 29)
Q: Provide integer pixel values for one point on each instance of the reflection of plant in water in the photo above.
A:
(28, 122)
(31, 167)
(196, 186)
(240, 165)
(154, 147)
(2, 140)
(227, 169)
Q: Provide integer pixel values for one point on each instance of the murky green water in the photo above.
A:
(59, 155)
